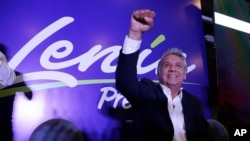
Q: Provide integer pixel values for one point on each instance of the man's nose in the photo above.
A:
(172, 68)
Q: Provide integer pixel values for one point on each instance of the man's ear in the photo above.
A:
(185, 76)
(2, 57)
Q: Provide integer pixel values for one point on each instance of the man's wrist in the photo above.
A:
(135, 35)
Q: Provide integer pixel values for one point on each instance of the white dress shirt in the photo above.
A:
(174, 105)
(7, 75)
(176, 114)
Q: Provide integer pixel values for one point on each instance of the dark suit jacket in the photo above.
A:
(152, 120)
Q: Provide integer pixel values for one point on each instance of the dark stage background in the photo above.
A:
(233, 64)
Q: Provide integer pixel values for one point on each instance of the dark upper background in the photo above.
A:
(207, 10)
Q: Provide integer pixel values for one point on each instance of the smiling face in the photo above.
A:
(172, 71)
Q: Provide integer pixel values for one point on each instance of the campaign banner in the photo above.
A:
(65, 53)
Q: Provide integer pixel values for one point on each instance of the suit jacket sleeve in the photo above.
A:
(126, 76)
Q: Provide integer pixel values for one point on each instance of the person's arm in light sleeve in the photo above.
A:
(7, 74)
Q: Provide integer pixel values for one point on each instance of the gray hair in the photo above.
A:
(172, 51)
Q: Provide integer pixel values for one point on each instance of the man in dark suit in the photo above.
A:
(163, 111)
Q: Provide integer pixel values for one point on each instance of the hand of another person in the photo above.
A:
(141, 21)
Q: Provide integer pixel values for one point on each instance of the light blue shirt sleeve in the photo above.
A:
(130, 45)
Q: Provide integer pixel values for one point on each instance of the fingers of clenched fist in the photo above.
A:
(144, 16)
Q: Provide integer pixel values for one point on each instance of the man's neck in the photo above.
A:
(175, 90)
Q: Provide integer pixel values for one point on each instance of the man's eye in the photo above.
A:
(166, 64)
(179, 65)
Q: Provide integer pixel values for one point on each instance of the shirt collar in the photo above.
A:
(167, 92)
